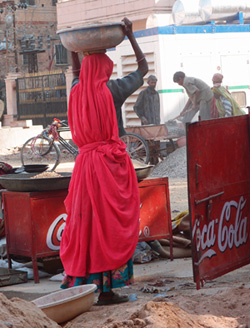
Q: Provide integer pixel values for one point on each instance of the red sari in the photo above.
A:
(102, 226)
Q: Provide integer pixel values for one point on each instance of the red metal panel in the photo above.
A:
(29, 216)
(218, 154)
(155, 214)
(34, 222)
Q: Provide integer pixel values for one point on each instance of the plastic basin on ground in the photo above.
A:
(66, 304)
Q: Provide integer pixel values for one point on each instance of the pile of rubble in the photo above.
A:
(173, 166)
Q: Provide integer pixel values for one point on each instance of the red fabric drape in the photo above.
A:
(102, 226)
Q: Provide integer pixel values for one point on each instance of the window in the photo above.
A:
(25, 59)
(30, 60)
(240, 98)
(61, 55)
(54, 2)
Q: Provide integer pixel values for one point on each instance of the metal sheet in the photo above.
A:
(219, 195)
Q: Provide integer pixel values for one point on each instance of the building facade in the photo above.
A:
(28, 37)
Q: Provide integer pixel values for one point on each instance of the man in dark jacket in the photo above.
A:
(147, 106)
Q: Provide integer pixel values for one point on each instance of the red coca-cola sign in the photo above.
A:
(218, 153)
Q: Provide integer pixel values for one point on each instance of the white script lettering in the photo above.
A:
(59, 223)
(236, 234)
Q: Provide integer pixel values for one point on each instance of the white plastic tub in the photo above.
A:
(66, 304)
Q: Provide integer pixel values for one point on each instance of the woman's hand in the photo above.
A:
(127, 27)
(140, 57)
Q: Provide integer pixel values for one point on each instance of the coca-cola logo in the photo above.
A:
(55, 231)
(228, 235)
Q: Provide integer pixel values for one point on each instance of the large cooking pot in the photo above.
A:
(23, 182)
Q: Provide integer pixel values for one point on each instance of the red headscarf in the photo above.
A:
(102, 226)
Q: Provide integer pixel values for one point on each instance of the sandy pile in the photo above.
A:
(17, 313)
(229, 308)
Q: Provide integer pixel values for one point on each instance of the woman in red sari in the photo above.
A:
(102, 226)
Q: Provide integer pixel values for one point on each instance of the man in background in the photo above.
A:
(223, 104)
(147, 106)
(199, 94)
(226, 105)
(217, 79)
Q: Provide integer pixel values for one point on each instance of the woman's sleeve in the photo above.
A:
(122, 88)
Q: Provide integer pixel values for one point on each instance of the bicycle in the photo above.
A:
(43, 148)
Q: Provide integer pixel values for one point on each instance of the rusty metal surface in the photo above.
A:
(219, 195)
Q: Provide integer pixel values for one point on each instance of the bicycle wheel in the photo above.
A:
(137, 147)
(40, 150)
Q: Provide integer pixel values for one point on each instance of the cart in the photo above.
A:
(157, 142)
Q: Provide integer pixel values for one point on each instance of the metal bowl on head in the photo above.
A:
(92, 37)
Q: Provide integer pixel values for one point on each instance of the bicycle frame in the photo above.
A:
(60, 126)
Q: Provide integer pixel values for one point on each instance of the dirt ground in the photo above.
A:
(157, 302)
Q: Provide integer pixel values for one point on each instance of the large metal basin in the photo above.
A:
(92, 37)
(143, 173)
(142, 170)
(23, 182)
